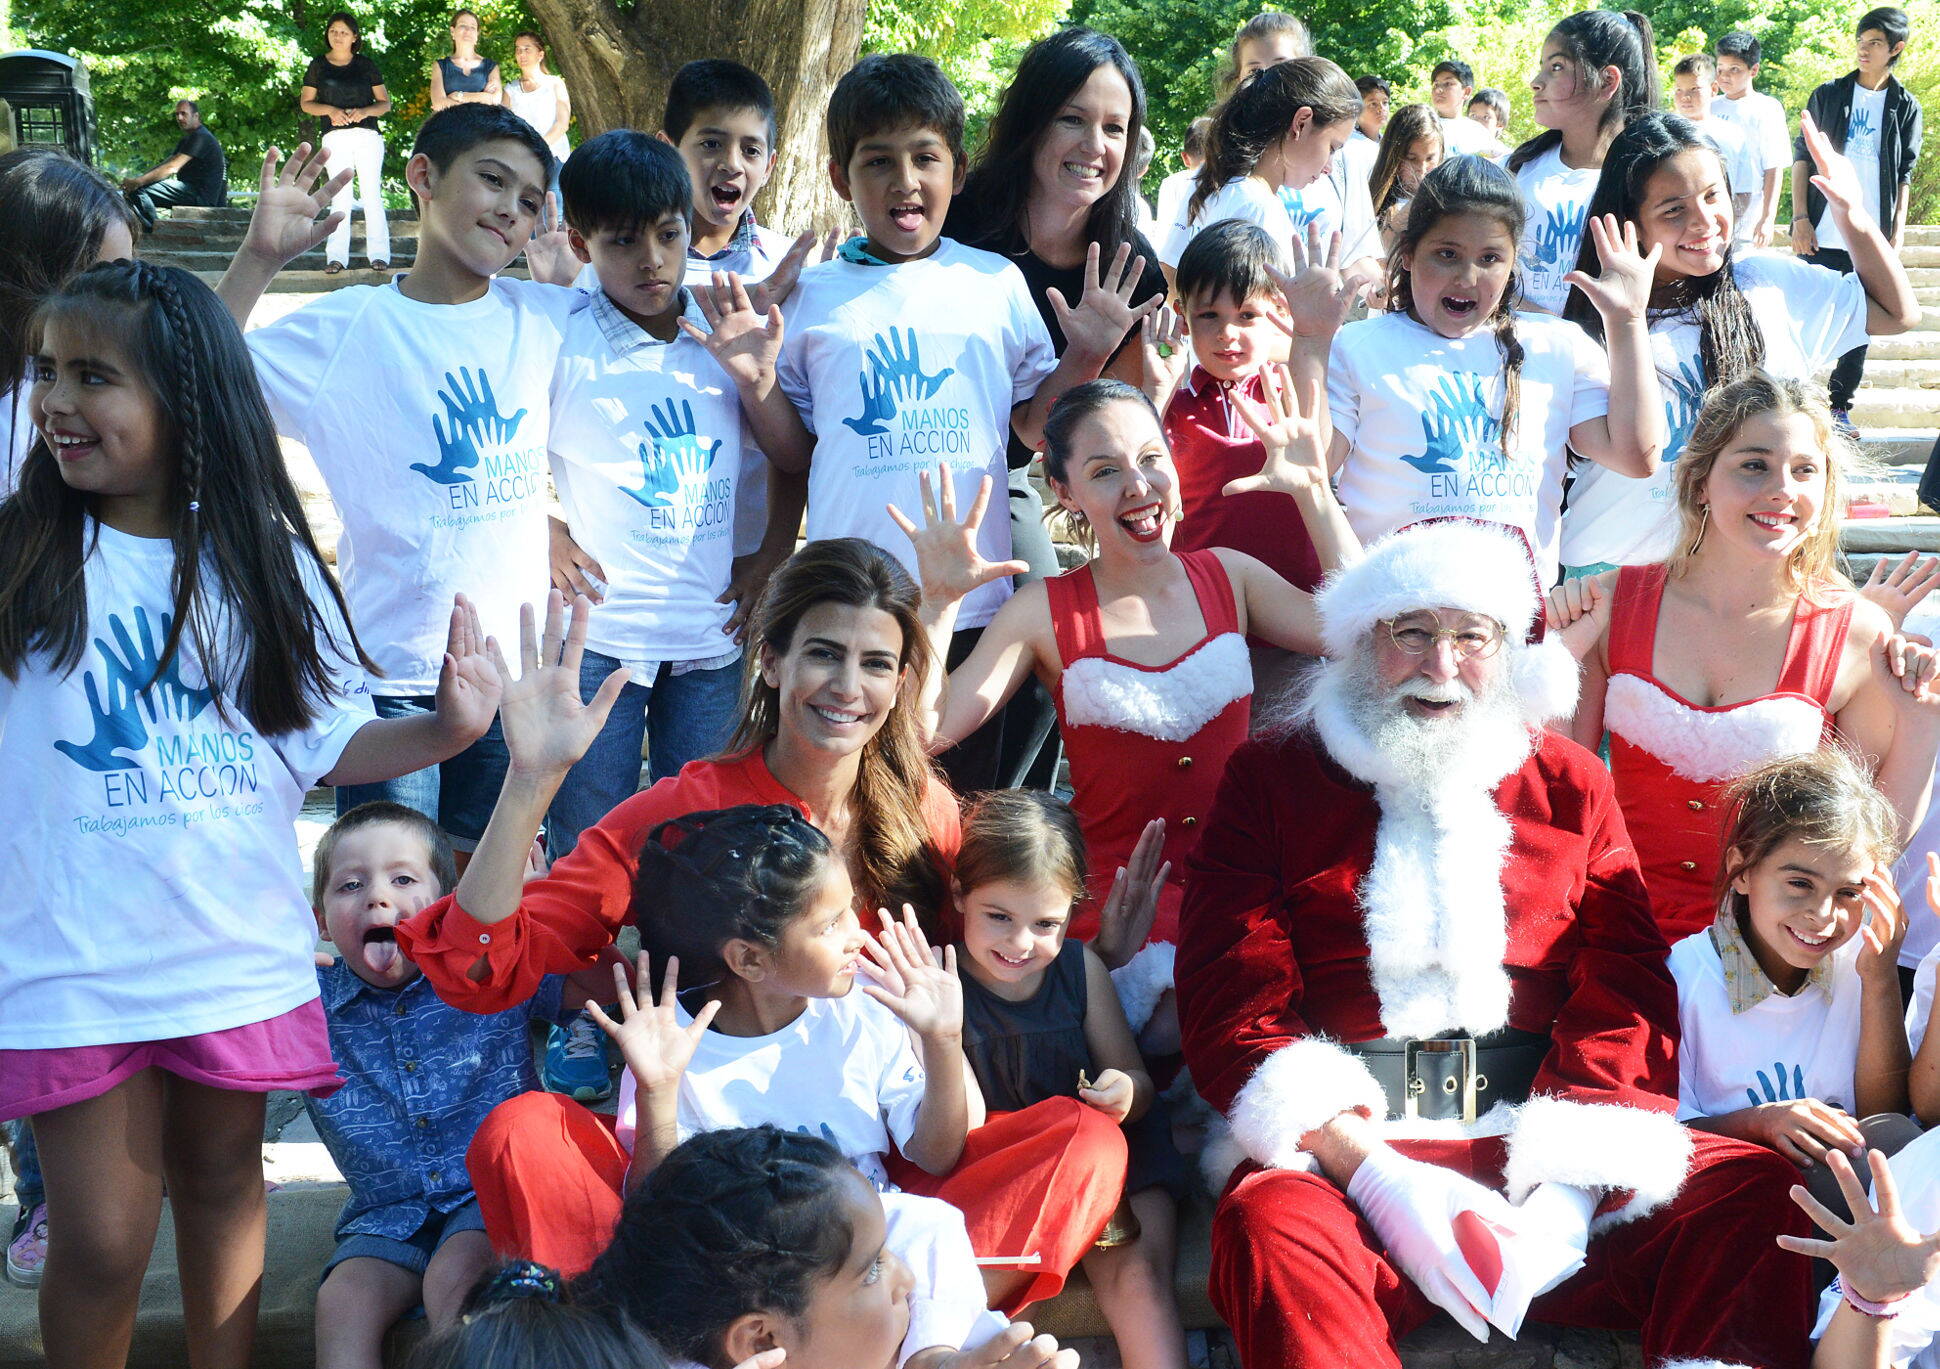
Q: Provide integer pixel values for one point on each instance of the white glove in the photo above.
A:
(1550, 1234)
(1413, 1208)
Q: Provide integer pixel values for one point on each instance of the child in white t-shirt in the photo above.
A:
(1717, 312)
(1281, 131)
(176, 673)
(1597, 72)
(910, 349)
(1691, 82)
(1452, 403)
(1789, 1003)
(424, 404)
(1765, 125)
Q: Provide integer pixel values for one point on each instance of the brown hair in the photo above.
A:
(1409, 125)
(444, 865)
(1814, 565)
(1025, 836)
(1263, 28)
(1823, 798)
(1258, 115)
(894, 860)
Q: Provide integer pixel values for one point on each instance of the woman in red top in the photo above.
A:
(1747, 646)
(1142, 648)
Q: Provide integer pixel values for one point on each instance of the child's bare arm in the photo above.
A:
(928, 997)
(1804, 1132)
(657, 1050)
(1880, 1077)
(1113, 1051)
(1630, 438)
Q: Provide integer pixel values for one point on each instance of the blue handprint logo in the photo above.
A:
(1555, 244)
(1298, 210)
(471, 418)
(1683, 397)
(132, 684)
(1778, 1088)
(1862, 134)
(676, 463)
(878, 406)
(1458, 426)
(901, 364)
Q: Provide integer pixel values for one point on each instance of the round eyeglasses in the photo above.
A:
(1474, 638)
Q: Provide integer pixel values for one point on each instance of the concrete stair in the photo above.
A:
(203, 241)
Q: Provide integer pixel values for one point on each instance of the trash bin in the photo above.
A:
(52, 106)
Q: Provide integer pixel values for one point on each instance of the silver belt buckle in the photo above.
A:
(1415, 1086)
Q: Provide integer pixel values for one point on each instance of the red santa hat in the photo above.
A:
(1463, 564)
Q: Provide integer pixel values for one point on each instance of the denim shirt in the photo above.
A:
(420, 1075)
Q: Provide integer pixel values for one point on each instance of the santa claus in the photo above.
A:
(1419, 973)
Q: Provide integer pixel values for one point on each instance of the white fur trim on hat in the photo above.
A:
(1602, 1146)
(1466, 566)
(1300, 1087)
(1546, 679)
(1142, 981)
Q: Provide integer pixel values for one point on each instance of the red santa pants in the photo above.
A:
(1304, 1283)
(549, 1175)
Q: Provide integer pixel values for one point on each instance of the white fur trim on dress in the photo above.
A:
(1469, 566)
(1602, 1146)
(1169, 705)
(1705, 745)
(1301, 1086)
(1142, 981)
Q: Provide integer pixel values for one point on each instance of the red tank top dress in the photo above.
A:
(1671, 758)
(1146, 741)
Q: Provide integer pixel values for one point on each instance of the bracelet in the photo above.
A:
(1880, 1310)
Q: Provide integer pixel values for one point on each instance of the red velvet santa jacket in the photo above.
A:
(1274, 960)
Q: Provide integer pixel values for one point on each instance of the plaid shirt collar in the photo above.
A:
(742, 241)
(623, 334)
(1746, 984)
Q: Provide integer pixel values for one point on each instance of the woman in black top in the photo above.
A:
(465, 77)
(345, 90)
(1050, 180)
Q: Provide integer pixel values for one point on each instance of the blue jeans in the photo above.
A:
(27, 1188)
(680, 718)
(457, 794)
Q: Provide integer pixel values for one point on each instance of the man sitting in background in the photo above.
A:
(194, 173)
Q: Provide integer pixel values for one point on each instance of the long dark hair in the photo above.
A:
(1407, 126)
(1468, 185)
(740, 1220)
(235, 515)
(54, 212)
(525, 1316)
(1595, 39)
(895, 859)
(1051, 72)
(1730, 342)
(1260, 112)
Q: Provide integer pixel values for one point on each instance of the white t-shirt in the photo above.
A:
(1421, 415)
(844, 1070)
(1243, 197)
(146, 840)
(16, 436)
(1810, 316)
(538, 107)
(1782, 1050)
(897, 369)
(1741, 162)
(1359, 156)
(1764, 119)
(1174, 190)
(429, 424)
(1556, 200)
(646, 455)
(1863, 127)
(1462, 136)
(1337, 202)
(1910, 874)
(1910, 1335)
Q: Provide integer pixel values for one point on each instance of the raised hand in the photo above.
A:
(744, 343)
(284, 225)
(1319, 297)
(1836, 179)
(1622, 292)
(1105, 312)
(1293, 426)
(1878, 1254)
(549, 254)
(780, 282)
(1111, 1093)
(1167, 348)
(1881, 937)
(547, 725)
(948, 563)
(1916, 665)
(468, 682)
(1900, 590)
(928, 997)
(656, 1048)
(1125, 920)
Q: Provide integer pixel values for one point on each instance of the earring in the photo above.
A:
(1704, 526)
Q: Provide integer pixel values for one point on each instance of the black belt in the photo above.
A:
(1456, 1077)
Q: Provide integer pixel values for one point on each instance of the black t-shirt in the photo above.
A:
(351, 86)
(207, 172)
(1042, 278)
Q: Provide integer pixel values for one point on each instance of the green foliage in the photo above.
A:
(976, 42)
(243, 62)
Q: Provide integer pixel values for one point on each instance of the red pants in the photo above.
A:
(549, 1175)
(1303, 1282)
(1043, 1182)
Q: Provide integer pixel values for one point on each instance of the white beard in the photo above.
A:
(1432, 899)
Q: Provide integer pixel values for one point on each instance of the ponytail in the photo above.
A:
(1593, 40)
(1259, 113)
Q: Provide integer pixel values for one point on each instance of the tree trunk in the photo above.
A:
(618, 63)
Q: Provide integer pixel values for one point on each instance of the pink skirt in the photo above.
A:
(290, 1051)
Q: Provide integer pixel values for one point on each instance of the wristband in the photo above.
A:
(1881, 1311)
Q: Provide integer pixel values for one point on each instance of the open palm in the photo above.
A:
(918, 987)
(285, 223)
(656, 1047)
(1292, 425)
(1105, 312)
(547, 725)
(1622, 292)
(947, 559)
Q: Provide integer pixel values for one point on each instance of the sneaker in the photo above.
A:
(576, 1063)
(27, 1251)
(1842, 421)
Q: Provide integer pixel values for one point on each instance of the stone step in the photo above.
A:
(239, 214)
(170, 237)
(1876, 407)
(1923, 235)
(1893, 447)
(199, 259)
(1902, 373)
(1923, 276)
(1921, 344)
(1921, 255)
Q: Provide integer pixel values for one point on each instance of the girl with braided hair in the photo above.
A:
(1454, 403)
(752, 1240)
(177, 670)
(524, 1316)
